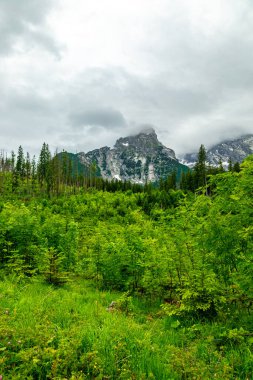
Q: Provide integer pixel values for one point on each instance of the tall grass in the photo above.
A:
(68, 333)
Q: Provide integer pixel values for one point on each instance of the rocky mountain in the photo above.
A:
(140, 158)
(236, 150)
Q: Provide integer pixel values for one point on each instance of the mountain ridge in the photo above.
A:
(141, 158)
(236, 150)
(137, 158)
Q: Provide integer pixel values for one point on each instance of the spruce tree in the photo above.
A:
(53, 273)
(27, 167)
(200, 168)
(237, 167)
(44, 167)
(172, 181)
(20, 165)
(220, 168)
(13, 159)
(230, 165)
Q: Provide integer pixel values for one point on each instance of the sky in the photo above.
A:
(80, 74)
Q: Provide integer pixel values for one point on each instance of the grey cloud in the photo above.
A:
(28, 119)
(108, 118)
(25, 22)
(141, 99)
(219, 61)
(184, 116)
(198, 87)
(146, 128)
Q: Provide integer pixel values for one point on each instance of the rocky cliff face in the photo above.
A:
(139, 159)
(236, 150)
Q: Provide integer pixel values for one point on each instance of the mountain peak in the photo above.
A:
(145, 139)
(139, 158)
(235, 150)
(147, 130)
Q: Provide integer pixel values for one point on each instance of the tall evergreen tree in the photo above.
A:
(230, 165)
(200, 168)
(20, 165)
(237, 167)
(13, 158)
(44, 159)
(28, 167)
(172, 181)
(44, 169)
(220, 168)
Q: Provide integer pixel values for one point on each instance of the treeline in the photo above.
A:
(199, 176)
(52, 175)
(63, 173)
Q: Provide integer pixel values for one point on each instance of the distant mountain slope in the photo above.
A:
(139, 159)
(236, 150)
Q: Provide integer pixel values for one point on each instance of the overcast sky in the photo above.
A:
(78, 74)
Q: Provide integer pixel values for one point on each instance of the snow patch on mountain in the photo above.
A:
(235, 150)
(140, 158)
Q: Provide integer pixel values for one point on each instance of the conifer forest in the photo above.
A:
(111, 280)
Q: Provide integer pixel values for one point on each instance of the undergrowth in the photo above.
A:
(70, 332)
